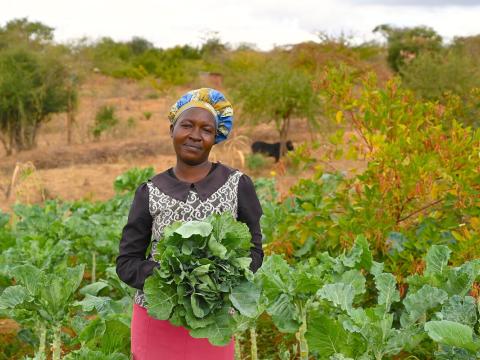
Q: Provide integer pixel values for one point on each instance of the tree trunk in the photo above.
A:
(18, 137)
(283, 135)
(70, 120)
(30, 135)
(10, 138)
(4, 141)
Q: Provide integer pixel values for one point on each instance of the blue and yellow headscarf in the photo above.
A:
(211, 100)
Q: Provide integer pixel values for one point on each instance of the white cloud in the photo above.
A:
(264, 22)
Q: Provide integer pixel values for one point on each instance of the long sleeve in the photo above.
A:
(132, 266)
(250, 212)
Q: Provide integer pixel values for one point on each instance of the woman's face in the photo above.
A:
(193, 135)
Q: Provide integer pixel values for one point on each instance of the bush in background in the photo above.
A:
(105, 119)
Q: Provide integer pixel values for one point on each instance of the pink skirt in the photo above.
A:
(154, 339)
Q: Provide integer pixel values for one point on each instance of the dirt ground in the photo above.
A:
(86, 168)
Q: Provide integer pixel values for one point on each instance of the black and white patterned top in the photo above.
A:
(164, 199)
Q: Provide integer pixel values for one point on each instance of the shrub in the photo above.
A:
(256, 161)
(131, 122)
(147, 115)
(104, 120)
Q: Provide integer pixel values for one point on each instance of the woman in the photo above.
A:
(192, 190)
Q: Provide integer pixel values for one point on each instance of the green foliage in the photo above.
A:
(32, 86)
(139, 59)
(266, 191)
(204, 274)
(413, 148)
(87, 354)
(147, 115)
(130, 180)
(34, 82)
(301, 158)
(431, 75)
(278, 93)
(406, 43)
(444, 75)
(42, 300)
(105, 120)
(25, 31)
(131, 122)
(255, 161)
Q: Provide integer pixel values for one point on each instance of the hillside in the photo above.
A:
(87, 168)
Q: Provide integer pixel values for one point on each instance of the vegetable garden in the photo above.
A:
(379, 265)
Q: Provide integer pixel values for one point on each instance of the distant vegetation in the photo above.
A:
(380, 264)
(34, 82)
(39, 77)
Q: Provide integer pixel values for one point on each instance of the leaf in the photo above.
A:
(59, 289)
(95, 329)
(94, 289)
(417, 304)
(242, 262)
(30, 276)
(270, 274)
(437, 260)
(193, 321)
(191, 228)
(232, 234)
(199, 305)
(387, 290)
(102, 304)
(460, 280)
(13, 296)
(376, 268)
(284, 314)
(453, 334)
(354, 278)
(306, 248)
(216, 248)
(326, 335)
(359, 256)
(245, 297)
(72, 279)
(161, 297)
(339, 294)
(461, 310)
(219, 332)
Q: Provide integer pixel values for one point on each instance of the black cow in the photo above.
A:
(270, 149)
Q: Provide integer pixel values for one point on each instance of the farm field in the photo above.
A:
(370, 225)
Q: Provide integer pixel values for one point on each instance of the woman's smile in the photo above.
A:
(192, 147)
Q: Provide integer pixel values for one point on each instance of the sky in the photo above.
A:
(266, 23)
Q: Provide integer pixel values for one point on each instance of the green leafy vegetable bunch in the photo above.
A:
(204, 282)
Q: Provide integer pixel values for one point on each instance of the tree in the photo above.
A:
(23, 31)
(32, 86)
(404, 44)
(431, 75)
(139, 45)
(34, 82)
(453, 74)
(279, 93)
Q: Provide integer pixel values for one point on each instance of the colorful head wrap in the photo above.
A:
(211, 100)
